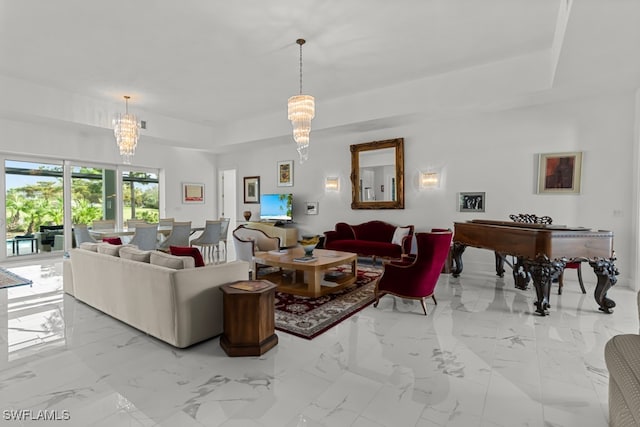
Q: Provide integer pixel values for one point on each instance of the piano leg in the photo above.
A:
(542, 272)
(606, 272)
(499, 264)
(521, 275)
(458, 249)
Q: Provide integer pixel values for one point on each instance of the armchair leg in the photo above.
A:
(433, 297)
(424, 305)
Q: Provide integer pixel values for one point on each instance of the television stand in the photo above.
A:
(288, 235)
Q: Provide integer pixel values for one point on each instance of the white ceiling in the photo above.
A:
(213, 61)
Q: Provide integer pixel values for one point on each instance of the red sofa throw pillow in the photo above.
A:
(112, 240)
(188, 251)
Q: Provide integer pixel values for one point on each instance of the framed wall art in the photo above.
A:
(312, 208)
(252, 189)
(285, 173)
(192, 192)
(559, 173)
(471, 202)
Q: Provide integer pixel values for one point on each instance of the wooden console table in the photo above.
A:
(249, 318)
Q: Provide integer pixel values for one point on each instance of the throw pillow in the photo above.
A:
(172, 261)
(400, 234)
(135, 254)
(112, 240)
(188, 251)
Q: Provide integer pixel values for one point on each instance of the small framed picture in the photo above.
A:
(285, 173)
(192, 192)
(312, 208)
(559, 173)
(252, 189)
(471, 202)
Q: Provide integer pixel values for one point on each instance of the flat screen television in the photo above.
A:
(276, 207)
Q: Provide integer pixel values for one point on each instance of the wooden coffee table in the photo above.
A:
(307, 278)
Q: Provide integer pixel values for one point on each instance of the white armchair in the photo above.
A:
(248, 241)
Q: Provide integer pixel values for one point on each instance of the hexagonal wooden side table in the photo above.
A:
(249, 318)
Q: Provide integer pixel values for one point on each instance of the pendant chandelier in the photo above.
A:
(301, 111)
(126, 129)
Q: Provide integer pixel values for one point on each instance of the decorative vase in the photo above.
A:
(247, 215)
(309, 243)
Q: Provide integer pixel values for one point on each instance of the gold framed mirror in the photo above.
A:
(377, 174)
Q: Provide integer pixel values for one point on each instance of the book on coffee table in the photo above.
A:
(305, 259)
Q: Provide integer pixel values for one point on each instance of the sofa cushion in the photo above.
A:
(344, 231)
(135, 254)
(367, 248)
(172, 261)
(112, 240)
(374, 231)
(400, 234)
(109, 249)
(89, 246)
(188, 251)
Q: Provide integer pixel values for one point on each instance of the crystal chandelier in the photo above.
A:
(301, 111)
(126, 129)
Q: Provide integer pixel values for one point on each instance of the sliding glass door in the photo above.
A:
(34, 208)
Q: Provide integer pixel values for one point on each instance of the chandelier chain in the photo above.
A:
(300, 43)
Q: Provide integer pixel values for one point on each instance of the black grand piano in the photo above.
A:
(540, 253)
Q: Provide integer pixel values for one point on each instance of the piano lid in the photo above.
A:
(527, 225)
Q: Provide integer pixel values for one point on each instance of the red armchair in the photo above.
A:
(416, 279)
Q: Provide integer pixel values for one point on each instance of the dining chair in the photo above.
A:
(145, 237)
(132, 224)
(179, 236)
(224, 232)
(103, 224)
(82, 235)
(209, 240)
(417, 278)
(165, 222)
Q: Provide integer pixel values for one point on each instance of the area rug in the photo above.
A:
(9, 279)
(308, 317)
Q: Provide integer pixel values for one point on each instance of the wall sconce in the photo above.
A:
(428, 180)
(332, 183)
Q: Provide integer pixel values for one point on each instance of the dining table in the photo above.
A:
(124, 231)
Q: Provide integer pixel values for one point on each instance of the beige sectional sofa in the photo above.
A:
(181, 306)
(622, 355)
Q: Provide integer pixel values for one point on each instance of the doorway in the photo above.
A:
(228, 205)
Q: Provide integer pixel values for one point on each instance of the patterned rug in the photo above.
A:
(308, 317)
(9, 279)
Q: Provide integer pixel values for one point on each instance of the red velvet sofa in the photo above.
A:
(373, 238)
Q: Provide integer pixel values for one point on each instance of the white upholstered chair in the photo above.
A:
(179, 236)
(209, 240)
(248, 241)
(224, 232)
(145, 237)
(132, 224)
(82, 235)
(103, 224)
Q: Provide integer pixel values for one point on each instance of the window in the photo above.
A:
(140, 196)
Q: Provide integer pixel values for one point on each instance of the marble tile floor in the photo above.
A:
(480, 358)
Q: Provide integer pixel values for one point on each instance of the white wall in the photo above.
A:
(495, 152)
